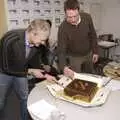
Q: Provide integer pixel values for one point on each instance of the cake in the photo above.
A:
(79, 89)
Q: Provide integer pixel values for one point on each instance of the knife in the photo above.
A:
(57, 82)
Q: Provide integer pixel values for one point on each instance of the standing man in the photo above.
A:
(77, 40)
(18, 49)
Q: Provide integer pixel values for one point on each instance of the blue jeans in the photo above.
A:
(20, 85)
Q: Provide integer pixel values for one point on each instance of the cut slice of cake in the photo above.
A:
(80, 89)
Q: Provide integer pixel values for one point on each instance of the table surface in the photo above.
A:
(106, 44)
(109, 111)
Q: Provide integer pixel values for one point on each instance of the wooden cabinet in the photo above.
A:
(3, 18)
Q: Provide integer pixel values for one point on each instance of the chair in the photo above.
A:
(106, 42)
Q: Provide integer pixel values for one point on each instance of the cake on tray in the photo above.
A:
(80, 89)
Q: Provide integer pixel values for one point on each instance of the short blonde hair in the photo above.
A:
(39, 25)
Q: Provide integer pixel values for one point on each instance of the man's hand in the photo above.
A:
(95, 58)
(68, 72)
(38, 73)
(49, 77)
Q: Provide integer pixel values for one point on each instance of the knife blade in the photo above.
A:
(57, 82)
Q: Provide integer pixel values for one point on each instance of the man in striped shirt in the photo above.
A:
(18, 49)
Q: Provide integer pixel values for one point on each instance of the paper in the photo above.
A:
(90, 78)
(114, 65)
(64, 81)
(42, 110)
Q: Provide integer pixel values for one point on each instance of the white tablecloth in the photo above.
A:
(109, 111)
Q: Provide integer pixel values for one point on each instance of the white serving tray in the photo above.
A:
(99, 99)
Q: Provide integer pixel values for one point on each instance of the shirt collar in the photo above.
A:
(27, 41)
(78, 20)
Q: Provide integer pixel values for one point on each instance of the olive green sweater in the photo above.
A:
(76, 40)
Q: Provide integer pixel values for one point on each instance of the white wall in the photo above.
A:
(110, 21)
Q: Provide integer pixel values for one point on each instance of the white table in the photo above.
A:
(109, 111)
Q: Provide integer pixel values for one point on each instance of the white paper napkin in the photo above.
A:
(45, 111)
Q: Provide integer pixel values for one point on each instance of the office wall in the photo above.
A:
(111, 17)
(20, 13)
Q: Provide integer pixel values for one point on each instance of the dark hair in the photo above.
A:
(71, 4)
(50, 23)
